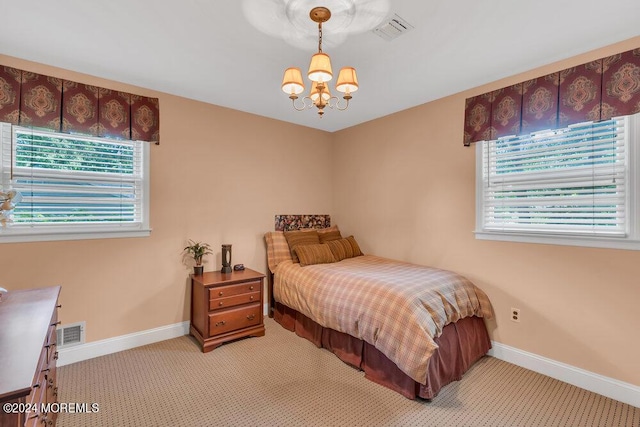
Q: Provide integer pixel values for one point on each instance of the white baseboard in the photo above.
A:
(81, 352)
(609, 387)
(78, 353)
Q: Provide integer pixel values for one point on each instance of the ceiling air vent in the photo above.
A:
(71, 334)
(392, 28)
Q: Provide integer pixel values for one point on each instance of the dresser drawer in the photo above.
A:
(235, 318)
(221, 303)
(230, 290)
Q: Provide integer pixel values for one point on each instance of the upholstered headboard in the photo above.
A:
(297, 222)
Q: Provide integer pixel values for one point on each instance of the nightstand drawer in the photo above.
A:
(230, 290)
(235, 318)
(221, 303)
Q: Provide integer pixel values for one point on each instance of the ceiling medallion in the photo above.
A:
(289, 19)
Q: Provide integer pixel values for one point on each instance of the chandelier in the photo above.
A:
(320, 73)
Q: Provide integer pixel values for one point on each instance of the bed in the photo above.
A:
(411, 328)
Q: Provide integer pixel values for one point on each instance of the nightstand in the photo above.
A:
(226, 307)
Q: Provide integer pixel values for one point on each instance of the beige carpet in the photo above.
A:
(283, 380)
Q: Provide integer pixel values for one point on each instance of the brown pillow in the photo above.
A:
(314, 254)
(299, 238)
(354, 246)
(344, 248)
(328, 234)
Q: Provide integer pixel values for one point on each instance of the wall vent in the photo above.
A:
(393, 28)
(71, 334)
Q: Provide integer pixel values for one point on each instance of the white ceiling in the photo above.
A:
(207, 50)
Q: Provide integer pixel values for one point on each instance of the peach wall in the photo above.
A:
(404, 185)
(212, 179)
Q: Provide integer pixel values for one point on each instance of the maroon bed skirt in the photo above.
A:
(461, 344)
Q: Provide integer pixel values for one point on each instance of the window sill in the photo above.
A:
(585, 241)
(15, 236)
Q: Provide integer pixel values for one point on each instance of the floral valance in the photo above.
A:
(31, 99)
(595, 91)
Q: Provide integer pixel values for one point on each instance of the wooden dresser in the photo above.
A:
(28, 354)
(226, 307)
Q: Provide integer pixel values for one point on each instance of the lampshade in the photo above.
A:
(347, 80)
(315, 92)
(320, 68)
(292, 83)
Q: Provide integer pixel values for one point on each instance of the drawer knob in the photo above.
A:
(220, 303)
(251, 316)
(221, 323)
(220, 294)
(250, 288)
(251, 297)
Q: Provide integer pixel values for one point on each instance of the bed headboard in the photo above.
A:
(297, 222)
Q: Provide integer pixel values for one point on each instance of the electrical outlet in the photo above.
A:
(515, 314)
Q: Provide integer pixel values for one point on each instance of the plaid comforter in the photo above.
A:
(395, 306)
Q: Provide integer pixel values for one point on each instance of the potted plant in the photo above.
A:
(197, 250)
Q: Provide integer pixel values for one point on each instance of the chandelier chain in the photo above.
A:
(319, 36)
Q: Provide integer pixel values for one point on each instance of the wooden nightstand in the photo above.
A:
(226, 307)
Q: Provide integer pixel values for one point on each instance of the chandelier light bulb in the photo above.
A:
(314, 94)
(292, 83)
(320, 68)
(347, 80)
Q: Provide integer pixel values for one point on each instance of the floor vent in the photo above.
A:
(393, 28)
(72, 334)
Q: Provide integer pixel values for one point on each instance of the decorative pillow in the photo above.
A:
(314, 254)
(344, 248)
(277, 249)
(300, 238)
(328, 234)
(355, 246)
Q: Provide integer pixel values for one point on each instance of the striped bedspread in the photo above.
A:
(395, 306)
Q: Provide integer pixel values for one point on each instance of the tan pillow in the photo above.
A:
(344, 248)
(328, 234)
(314, 254)
(277, 249)
(354, 246)
(300, 238)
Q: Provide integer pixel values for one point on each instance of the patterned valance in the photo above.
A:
(31, 99)
(595, 91)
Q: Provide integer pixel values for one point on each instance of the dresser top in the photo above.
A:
(25, 316)
(217, 278)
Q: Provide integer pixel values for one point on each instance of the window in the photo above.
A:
(72, 186)
(571, 186)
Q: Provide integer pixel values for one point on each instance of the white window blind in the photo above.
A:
(570, 181)
(73, 183)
